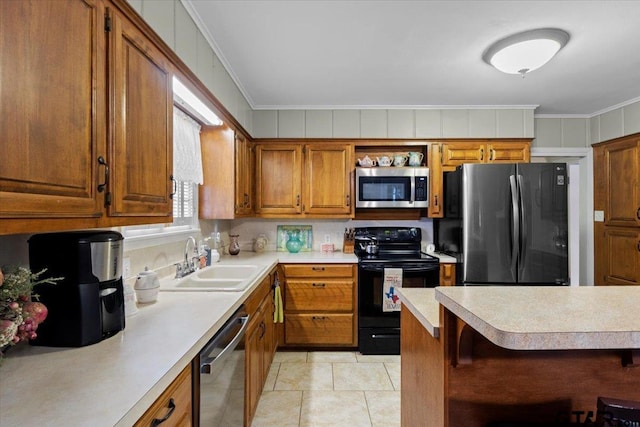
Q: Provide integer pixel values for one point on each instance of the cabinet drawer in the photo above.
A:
(326, 329)
(174, 404)
(318, 270)
(319, 295)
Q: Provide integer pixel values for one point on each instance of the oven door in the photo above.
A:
(378, 330)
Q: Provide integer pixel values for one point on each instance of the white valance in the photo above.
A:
(187, 156)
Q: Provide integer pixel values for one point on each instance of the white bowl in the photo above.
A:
(146, 296)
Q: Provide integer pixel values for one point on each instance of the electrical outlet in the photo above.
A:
(327, 238)
(126, 267)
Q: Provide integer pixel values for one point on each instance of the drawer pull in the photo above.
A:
(319, 317)
(318, 285)
(172, 407)
(317, 268)
(638, 213)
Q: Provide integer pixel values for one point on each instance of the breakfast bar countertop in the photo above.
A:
(537, 317)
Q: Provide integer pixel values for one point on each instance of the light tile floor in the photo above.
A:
(325, 388)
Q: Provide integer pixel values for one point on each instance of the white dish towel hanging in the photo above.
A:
(392, 282)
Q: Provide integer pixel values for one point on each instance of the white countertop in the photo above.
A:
(112, 383)
(422, 303)
(538, 317)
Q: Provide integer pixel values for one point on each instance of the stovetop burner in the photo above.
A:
(397, 244)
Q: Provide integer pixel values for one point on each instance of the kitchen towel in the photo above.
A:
(392, 281)
(278, 315)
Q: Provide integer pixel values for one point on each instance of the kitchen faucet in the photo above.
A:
(188, 266)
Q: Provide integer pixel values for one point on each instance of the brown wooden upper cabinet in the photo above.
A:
(457, 153)
(85, 138)
(227, 156)
(304, 179)
(446, 156)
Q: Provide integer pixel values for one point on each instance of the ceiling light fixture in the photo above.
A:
(527, 51)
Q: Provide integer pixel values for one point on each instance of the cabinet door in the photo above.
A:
(463, 152)
(278, 179)
(254, 361)
(508, 152)
(327, 179)
(243, 176)
(174, 403)
(52, 109)
(622, 174)
(447, 274)
(141, 155)
(622, 256)
(435, 186)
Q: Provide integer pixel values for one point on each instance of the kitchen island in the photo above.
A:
(472, 356)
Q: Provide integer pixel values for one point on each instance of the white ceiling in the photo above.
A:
(308, 54)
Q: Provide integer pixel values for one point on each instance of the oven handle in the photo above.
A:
(206, 365)
(409, 269)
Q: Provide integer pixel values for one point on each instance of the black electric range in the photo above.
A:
(399, 262)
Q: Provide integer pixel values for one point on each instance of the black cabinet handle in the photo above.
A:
(638, 245)
(319, 317)
(298, 200)
(175, 186)
(481, 154)
(638, 213)
(158, 421)
(317, 268)
(349, 201)
(436, 200)
(318, 285)
(103, 186)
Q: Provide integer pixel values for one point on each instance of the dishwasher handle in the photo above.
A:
(206, 364)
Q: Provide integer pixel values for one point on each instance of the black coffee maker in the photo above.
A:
(87, 306)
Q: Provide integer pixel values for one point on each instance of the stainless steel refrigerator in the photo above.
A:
(507, 223)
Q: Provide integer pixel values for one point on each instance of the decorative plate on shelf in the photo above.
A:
(304, 234)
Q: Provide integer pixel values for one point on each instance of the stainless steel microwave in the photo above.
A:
(392, 187)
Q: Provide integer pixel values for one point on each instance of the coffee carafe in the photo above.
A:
(87, 305)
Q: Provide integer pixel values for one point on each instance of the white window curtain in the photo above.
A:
(187, 156)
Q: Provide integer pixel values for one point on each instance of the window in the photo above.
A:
(185, 204)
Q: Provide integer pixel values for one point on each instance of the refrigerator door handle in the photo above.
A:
(523, 226)
(515, 220)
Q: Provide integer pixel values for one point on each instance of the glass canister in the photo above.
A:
(234, 245)
(294, 244)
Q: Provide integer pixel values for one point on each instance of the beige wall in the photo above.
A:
(394, 123)
(171, 21)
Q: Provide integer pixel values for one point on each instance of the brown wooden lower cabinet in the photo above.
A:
(174, 405)
(619, 256)
(319, 328)
(320, 305)
(447, 274)
(461, 379)
(260, 344)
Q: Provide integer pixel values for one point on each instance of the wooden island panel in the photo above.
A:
(471, 382)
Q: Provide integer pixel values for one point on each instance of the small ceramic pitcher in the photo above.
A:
(415, 158)
(384, 160)
(399, 160)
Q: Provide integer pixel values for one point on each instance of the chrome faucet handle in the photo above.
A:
(178, 270)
